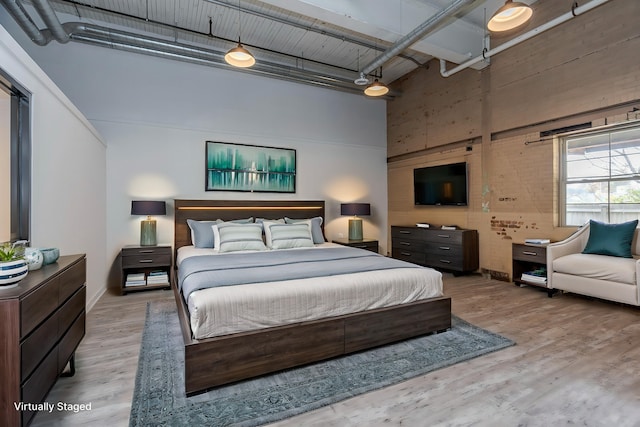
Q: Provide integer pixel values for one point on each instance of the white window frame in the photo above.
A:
(564, 180)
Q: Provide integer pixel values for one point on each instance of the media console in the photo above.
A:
(451, 250)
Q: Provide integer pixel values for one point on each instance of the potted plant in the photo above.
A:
(13, 267)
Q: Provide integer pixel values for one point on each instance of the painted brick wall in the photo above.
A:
(586, 70)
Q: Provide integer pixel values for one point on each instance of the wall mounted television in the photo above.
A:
(443, 185)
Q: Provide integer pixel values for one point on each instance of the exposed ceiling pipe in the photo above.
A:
(306, 27)
(131, 42)
(122, 40)
(416, 34)
(575, 11)
(50, 19)
(16, 10)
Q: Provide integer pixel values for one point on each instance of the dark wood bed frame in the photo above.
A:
(215, 361)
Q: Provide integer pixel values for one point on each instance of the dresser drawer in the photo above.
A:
(407, 232)
(148, 251)
(148, 260)
(537, 254)
(36, 306)
(70, 341)
(444, 236)
(74, 279)
(445, 249)
(369, 246)
(408, 244)
(444, 261)
(408, 255)
(38, 344)
(71, 310)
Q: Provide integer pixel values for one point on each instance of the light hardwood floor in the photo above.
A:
(576, 362)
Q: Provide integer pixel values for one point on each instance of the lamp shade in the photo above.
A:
(376, 88)
(148, 207)
(510, 16)
(239, 57)
(361, 209)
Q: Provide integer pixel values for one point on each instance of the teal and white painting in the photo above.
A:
(239, 167)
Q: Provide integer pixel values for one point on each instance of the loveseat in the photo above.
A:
(610, 271)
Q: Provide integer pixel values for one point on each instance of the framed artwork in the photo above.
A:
(254, 168)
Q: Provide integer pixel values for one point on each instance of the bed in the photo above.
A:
(221, 354)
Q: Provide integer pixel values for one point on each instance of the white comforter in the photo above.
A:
(230, 309)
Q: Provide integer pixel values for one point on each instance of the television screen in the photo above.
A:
(441, 185)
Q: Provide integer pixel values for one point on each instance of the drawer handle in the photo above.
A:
(444, 236)
(145, 261)
(146, 251)
(529, 253)
(404, 232)
(445, 261)
(445, 248)
(405, 243)
(405, 253)
(361, 247)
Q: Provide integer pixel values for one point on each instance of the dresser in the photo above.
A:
(450, 250)
(42, 322)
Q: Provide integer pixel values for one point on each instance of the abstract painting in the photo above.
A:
(254, 168)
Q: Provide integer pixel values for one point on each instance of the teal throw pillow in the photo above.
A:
(610, 239)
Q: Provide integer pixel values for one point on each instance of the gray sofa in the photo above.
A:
(608, 277)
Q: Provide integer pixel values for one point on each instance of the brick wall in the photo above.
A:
(586, 70)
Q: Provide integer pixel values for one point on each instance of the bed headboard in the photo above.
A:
(210, 210)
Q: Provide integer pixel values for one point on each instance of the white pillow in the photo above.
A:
(315, 224)
(287, 236)
(240, 237)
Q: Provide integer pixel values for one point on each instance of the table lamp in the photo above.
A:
(148, 226)
(355, 223)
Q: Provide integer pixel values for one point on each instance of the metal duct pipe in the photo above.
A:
(51, 20)
(16, 10)
(130, 42)
(415, 35)
(523, 37)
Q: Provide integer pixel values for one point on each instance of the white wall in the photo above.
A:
(68, 203)
(5, 166)
(156, 115)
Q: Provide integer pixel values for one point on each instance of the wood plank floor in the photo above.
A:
(576, 362)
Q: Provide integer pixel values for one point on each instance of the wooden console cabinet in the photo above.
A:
(450, 250)
(42, 321)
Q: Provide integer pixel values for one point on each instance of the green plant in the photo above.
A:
(8, 252)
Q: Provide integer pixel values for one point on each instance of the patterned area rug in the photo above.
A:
(159, 398)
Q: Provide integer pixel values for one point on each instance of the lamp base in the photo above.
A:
(148, 232)
(355, 229)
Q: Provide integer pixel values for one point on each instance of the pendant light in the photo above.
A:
(510, 16)
(376, 88)
(239, 56)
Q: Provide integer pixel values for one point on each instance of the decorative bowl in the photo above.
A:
(34, 258)
(11, 272)
(50, 255)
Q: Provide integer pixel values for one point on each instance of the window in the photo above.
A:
(15, 167)
(600, 175)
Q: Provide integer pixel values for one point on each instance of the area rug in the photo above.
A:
(159, 398)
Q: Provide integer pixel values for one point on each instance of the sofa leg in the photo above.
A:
(551, 292)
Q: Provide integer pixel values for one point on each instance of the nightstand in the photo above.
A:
(526, 258)
(368, 244)
(145, 268)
